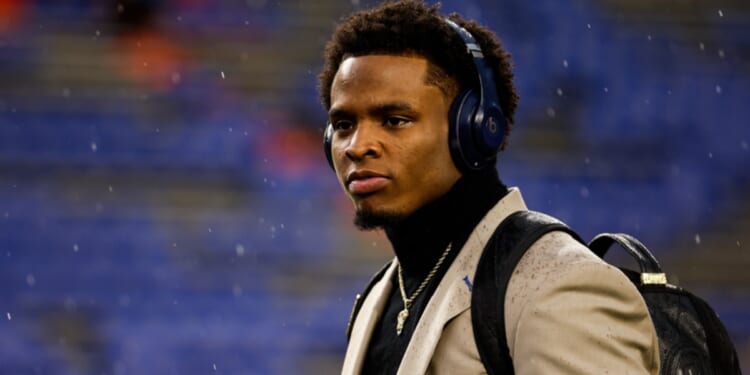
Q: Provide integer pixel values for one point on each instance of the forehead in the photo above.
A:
(381, 65)
(380, 75)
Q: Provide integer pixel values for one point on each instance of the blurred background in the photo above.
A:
(166, 208)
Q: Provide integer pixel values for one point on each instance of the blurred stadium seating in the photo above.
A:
(165, 207)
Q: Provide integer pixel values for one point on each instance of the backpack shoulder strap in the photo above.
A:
(502, 253)
(361, 297)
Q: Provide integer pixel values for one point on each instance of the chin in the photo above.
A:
(371, 219)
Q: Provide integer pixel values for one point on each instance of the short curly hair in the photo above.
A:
(412, 28)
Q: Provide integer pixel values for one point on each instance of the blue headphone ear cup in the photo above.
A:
(327, 136)
(477, 123)
(464, 149)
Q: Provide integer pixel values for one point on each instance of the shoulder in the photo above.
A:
(552, 262)
(562, 294)
(556, 255)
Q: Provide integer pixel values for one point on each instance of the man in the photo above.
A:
(394, 79)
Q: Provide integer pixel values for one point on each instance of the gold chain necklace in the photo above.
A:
(403, 314)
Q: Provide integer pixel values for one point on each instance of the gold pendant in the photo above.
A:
(402, 315)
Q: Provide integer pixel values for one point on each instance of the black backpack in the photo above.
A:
(692, 339)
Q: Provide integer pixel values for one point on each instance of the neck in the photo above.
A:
(421, 239)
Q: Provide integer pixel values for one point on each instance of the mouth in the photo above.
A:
(365, 182)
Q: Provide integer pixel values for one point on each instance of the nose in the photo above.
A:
(364, 142)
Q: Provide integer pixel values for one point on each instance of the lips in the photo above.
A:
(365, 182)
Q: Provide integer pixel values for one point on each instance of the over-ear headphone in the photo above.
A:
(476, 121)
(477, 124)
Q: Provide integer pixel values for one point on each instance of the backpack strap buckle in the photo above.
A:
(651, 278)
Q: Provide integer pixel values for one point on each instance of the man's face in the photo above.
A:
(390, 141)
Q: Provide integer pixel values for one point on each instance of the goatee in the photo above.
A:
(371, 220)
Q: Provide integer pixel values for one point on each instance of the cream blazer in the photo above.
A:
(566, 312)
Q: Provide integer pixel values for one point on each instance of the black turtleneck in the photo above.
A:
(418, 242)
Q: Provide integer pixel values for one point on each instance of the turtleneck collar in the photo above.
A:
(420, 239)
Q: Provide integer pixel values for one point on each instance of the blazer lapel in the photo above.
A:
(453, 294)
(368, 316)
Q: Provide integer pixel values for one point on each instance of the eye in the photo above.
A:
(342, 125)
(395, 121)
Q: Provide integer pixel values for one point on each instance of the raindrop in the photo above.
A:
(214, 367)
(551, 112)
(9, 316)
(697, 239)
(587, 160)
(565, 63)
(222, 75)
(721, 53)
(236, 290)
(230, 129)
(710, 155)
(239, 249)
(66, 92)
(75, 247)
(702, 46)
(718, 89)
(648, 37)
(721, 14)
(110, 188)
(94, 147)
(210, 230)
(606, 89)
(585, 192)
(588, 25)
(176, 78)
(559, 92)
(743, 144)
(738, 243)
(30, 280)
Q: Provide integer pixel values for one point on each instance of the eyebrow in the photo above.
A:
(378, 110)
